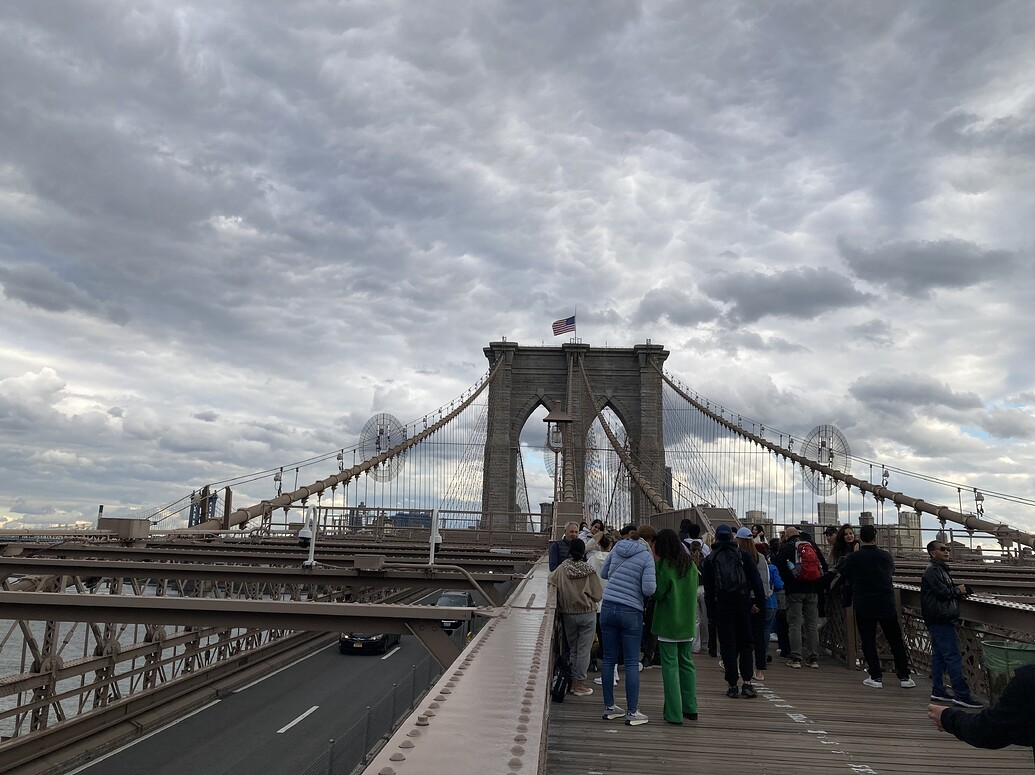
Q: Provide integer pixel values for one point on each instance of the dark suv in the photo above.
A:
(455, 598)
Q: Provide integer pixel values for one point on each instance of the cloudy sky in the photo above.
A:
(230, 232)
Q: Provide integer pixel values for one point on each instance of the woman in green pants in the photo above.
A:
(675, 611)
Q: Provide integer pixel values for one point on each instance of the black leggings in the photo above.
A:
(734, 628)
(758, 639)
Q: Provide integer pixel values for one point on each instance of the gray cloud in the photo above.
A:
(1009, 424)
(804, 293)
(21, 506)
(228, 237)
(878, 333)
(39, 287)
(675, 306)
(918, 268)
(910, 390)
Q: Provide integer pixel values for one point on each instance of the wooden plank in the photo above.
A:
(803, 721)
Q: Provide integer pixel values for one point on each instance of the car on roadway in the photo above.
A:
(363, 642)
(455, 598)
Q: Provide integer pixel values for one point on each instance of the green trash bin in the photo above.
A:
(1002, 658)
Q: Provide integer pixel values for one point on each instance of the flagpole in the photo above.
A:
(575, 316)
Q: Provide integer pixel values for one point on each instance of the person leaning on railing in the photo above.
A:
(940, 597)
(1011, 721)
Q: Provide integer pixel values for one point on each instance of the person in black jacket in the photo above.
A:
(940, 606)
(1010, 721)
(868, 574)
(732, 597)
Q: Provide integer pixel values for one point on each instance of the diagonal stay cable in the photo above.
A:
(879, 492)
(240, 516)
(656, 500)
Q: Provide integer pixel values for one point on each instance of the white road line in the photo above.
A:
(281, 670)
(391, 652)
(119, 750)
(199, 710)
(282, 730)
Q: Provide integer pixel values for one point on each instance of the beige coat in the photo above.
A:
(578, 587)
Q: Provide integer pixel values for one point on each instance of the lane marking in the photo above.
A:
(203, 708)
(300, 718)
(281, 670)
(397, 647)
(117, 751)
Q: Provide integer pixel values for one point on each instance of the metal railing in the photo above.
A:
(981, 619)
(354, 747)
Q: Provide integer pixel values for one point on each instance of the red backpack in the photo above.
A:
(807, 566)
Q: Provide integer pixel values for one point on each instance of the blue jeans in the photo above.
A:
(945, 657)
(621, 627)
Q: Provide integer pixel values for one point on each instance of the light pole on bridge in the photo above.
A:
(556, 423)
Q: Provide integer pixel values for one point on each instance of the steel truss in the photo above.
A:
(97, 646)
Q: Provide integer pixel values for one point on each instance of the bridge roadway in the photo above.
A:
(490, 713)
(251, 730)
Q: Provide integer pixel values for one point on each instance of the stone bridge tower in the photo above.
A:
(623, 379)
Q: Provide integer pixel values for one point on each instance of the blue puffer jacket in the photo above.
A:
(629, 570)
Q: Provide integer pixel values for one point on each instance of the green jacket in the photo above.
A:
(675, 602)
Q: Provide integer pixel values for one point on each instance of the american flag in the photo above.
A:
(563, 326)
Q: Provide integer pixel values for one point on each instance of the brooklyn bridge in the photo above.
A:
(205, 636)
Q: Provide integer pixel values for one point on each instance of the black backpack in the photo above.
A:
(561, 683)
(730, 579)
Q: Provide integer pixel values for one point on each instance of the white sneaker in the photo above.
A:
(634, 718)
(613, 712)
(908, 683)
(874, 684)
(599, 682)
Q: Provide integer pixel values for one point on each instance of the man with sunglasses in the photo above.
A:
(940, 599)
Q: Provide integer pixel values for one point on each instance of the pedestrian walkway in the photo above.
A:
(803, 721)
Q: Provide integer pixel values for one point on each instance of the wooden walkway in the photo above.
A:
(803, 721)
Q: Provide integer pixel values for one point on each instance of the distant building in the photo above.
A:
(826, 514)
(411, 519)
(905, 537)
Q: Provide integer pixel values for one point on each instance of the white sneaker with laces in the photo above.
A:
(873, 684)
(907, 683)
(634, 718)
(613, 712)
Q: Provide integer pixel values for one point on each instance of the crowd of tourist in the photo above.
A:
(644, 598)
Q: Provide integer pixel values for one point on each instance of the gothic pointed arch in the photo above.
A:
(622, 378)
